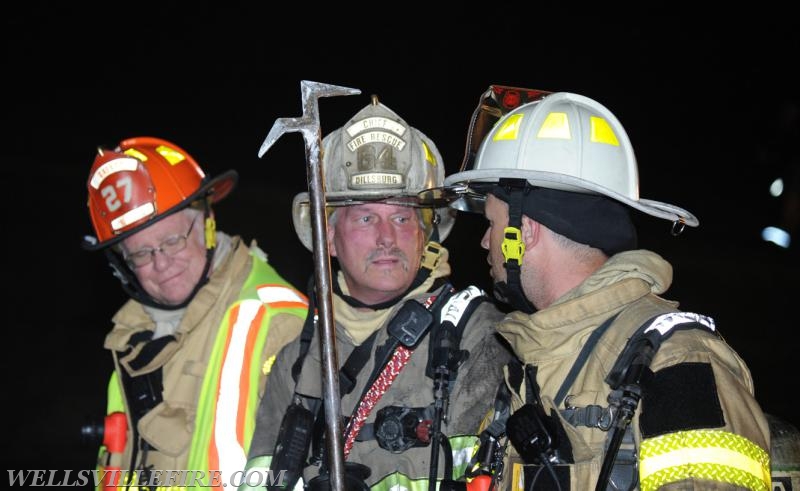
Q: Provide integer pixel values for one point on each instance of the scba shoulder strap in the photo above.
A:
(143, 391)
(445, 356)
(444, 353)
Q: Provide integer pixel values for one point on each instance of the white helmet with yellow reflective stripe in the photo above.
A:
(566, 142)
(377, 156)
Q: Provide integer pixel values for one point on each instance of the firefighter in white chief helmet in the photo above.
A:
(614, 387)
(419, 359)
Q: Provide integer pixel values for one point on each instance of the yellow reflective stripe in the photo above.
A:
(463, 447)
(555, 125)
(601, 132)
(510, 128)
(429, 156)
(518, 477)
(704, 454)
(115, 399)
(170, 154)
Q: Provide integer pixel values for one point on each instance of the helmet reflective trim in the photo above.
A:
(509, 129)
(601, 132)
(111, 167)
(133, 216)
(429, 155)
(556, 125)
(170, 154)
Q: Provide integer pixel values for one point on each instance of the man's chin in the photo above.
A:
(172, 299)
(392, 286)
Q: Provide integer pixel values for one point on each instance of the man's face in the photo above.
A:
(496, 212)
(170, 279)
(379, 248)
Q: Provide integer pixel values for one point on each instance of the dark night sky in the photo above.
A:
(700, 100)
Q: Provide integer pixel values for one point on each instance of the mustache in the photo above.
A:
(384, 253)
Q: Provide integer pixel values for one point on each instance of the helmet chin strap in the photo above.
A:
(134, 289)
(508, 295)
(513, 248)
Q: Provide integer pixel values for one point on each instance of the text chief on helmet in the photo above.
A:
(560, 142)
(141, 181)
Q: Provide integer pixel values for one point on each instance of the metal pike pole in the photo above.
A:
(309, 126)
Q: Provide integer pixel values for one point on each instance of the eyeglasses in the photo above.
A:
(169, 247)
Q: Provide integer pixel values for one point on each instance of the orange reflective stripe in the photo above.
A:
(245, 374)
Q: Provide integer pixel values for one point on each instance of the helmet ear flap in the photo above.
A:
(443, 220)
(301, 219)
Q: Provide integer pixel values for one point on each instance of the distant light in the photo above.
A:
(776, 188)
(777, 236)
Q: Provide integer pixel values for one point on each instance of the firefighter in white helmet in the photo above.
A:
(419, 360)
(614, 387)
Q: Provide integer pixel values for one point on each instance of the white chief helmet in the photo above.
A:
(376, 156)
(566, 142)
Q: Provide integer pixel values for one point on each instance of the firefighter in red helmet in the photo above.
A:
(207, 314)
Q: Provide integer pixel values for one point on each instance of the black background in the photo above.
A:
(701, 100)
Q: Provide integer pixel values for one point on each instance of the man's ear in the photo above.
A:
(331, 232)
(531, 232)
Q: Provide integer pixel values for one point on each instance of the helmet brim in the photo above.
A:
(563, 182)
